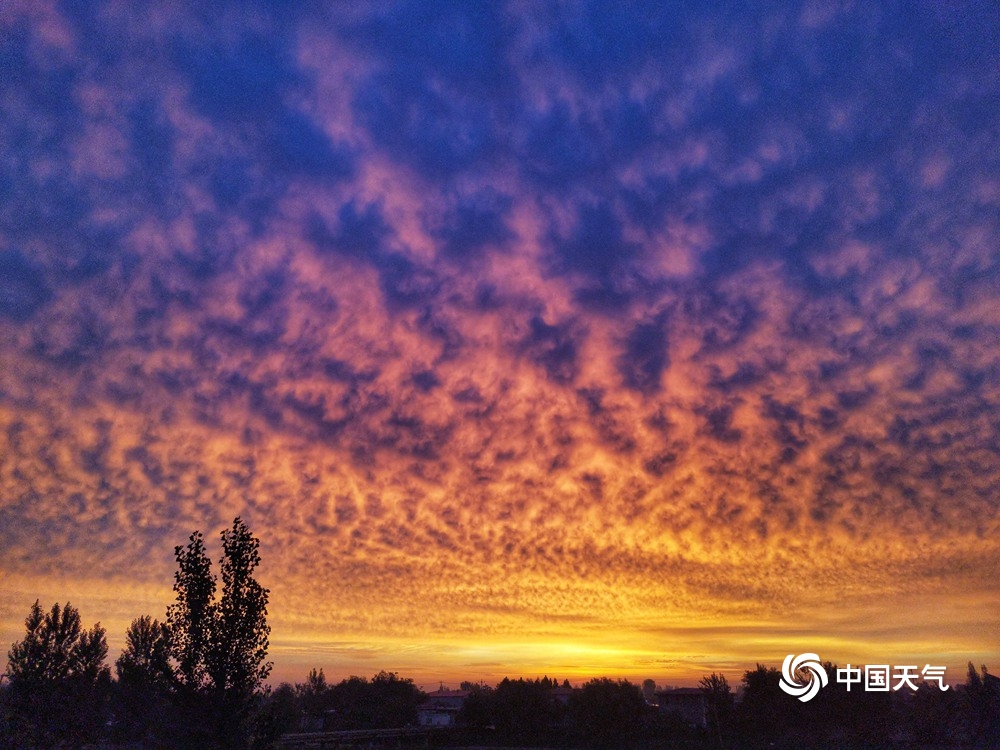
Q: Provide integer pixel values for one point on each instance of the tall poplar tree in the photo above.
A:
(219, 644)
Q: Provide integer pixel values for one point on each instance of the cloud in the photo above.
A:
(244, 80)
(553, 347)
(646, 355)
(473, 223)
(435, 101)
(361, 232)
(24, 286)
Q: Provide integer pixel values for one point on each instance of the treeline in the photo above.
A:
(196, 680)
(89, 708)
(606, 713)
(965, 717)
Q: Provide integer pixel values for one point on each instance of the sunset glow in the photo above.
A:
(573, 341)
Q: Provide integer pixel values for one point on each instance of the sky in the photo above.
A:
(577, 338)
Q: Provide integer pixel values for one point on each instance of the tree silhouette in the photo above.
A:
(477, 710)
(386, 701)
(191, 621)
(608, 712)
(220, 647)
(58, 680)
(982, 696)
(763, 715)
(146, 657)
(313, 697)
(523, 709)
(720, 705)
(238, 655)
(145, 679)
(278, 714)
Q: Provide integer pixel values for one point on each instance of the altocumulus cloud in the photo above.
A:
(508, 325)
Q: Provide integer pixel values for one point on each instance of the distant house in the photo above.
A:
(690, 704)
(441, 708)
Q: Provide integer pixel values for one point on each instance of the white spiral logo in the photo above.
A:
(803, 665)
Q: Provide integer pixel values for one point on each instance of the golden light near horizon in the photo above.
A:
(520, 358)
